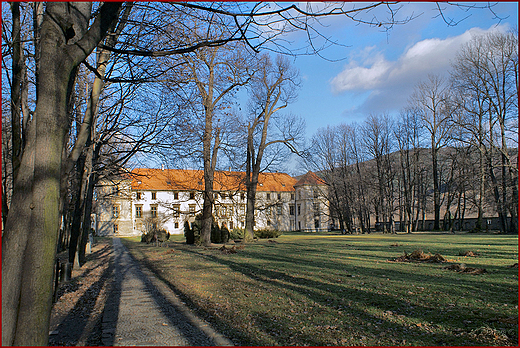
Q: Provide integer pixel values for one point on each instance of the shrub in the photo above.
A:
(189, 233)
(196, 226)
(215, 232)
(224, 234)
(146, 238)
(160, 235)
(236, 233)
(267, 234)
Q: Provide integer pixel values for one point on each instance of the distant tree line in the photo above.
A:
(454, 146)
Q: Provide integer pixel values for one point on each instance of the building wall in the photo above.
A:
(312, 211)
(273, 210)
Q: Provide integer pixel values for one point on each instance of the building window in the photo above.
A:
(153, 210)
(176, 210)
(176, 195)
(138, 194)
(316, 208)
(268, 196)
(268, 222)
(316, 193)
(279, 196)
(115, 211)
(299, 209)
(215, 196)
(154, 195)
(192, 195)
(316, 223)
(138, 211)
(242, 196)
(116, 229)
(292, 196)
(279, 209)
(176, 225)
(115, 190)
(291, 209)
(192, 209)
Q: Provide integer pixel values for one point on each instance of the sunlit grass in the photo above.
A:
(304, 289)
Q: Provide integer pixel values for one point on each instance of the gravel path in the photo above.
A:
(141, 310)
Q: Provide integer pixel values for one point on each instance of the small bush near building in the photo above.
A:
(236, 233)
(159, 235)
(224, 234)
(215, 232)
(263, 234)
(219, 234)
(189, 233)
(146, 238)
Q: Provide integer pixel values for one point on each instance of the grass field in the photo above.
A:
(326, 289)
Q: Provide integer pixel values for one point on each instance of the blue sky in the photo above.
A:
(379, 70)
(375, 71)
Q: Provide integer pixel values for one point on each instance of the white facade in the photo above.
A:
(128, 207)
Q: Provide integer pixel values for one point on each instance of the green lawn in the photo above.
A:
(326, 289)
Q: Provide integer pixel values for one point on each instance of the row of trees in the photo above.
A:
(88, 86)
(455, 146)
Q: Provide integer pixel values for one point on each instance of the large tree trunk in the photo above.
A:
(436, 193)
(16, 90)
(29, 240)
(210, 162)
(14, 240)
(250, 206)
(207, 209)
(87, 210)
(77, 213)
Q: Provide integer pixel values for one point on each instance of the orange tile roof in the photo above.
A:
(310, 179)
(185, 180)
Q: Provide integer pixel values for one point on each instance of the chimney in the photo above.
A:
(162, 166)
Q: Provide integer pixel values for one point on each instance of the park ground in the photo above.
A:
(324, 289)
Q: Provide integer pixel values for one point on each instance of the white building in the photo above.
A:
(167, 198)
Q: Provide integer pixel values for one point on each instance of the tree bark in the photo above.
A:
(16, 90)
(30, 237)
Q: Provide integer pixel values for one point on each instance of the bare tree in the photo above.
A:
(432, 100)
(408, 134)
(272, 89)
(486, 76)
(325, 157)
(377, 138)
(215, 73)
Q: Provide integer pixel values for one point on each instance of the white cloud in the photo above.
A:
(391, 82)
(356, 78)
